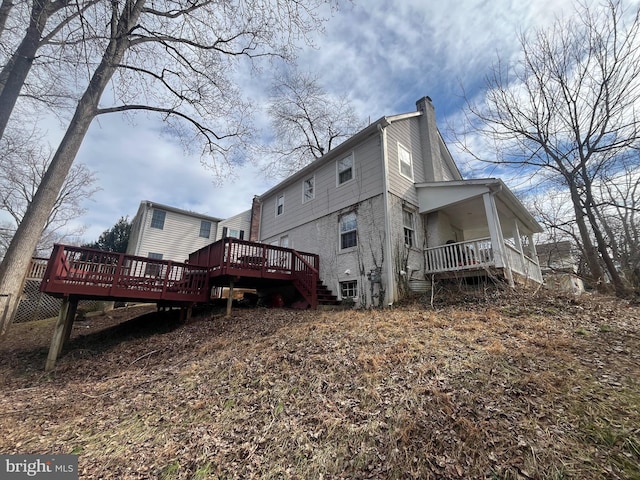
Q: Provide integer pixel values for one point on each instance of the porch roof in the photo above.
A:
(463, 194)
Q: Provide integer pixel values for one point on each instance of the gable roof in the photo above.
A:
(168, 208)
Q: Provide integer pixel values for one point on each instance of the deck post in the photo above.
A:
(230, 299)
(62, 331)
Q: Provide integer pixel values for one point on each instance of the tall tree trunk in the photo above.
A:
(589, 250)
(618, 284)
(16, 261)
(15, 71)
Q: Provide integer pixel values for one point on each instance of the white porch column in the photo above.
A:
(518, 242)
(497, 240)
(516, 236)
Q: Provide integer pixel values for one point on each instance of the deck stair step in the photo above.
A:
(325, 296)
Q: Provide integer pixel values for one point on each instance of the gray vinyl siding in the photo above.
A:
(329, 197)
(321, 236)
(407, 133)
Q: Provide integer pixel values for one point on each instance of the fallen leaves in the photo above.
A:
(501, 388)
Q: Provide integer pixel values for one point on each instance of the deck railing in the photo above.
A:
(84, 271)
(231, 256)
(37, 267)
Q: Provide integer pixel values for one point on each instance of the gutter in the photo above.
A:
(382, 125)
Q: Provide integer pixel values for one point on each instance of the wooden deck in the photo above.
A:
(88, 273)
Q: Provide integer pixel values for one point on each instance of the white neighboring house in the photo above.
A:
(559, 264)
(237, 226)
(388, 210)
(168, 233)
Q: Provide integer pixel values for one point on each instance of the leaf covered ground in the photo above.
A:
(501, 387)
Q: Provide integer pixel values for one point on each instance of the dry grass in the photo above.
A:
(503, 387)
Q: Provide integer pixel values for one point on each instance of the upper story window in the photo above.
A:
(157, 220)
(406, 164)
(348, 230)
(205, 229)
(345, 169)
(280, 205)
(308, 189)
(409, 231)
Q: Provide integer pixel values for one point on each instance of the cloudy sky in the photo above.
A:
(383, 55)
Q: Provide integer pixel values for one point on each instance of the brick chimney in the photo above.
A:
(256, 211)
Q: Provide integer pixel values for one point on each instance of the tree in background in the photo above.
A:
(567, 111)
(306, 122)
(115, 239)
(175, 58)
(23, 163)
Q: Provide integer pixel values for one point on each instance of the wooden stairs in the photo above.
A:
(324, 295)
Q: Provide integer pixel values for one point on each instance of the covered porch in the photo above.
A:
(475, 227)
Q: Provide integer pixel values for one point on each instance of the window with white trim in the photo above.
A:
(406, 164)
(409, 231)
(345, 169)
(205, 229)
(280, 205)
(349, 289)
(348, 230)
(157, 220)
(308, 189)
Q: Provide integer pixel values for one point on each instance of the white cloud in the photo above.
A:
(383, 55)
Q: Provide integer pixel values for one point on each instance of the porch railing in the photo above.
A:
(522, 264)
(478, 253)
(460, 256)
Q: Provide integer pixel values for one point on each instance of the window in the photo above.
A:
(284, 241)
(157, 221)
(345, 169)
(205, 229)
(348, 230)
(153, 269)
(407, 221)
(406, 165)
(233, 233)
(308, 189)
(349, 289)
(280, 205)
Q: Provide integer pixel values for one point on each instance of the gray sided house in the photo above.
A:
(168, 233)
(388, 211)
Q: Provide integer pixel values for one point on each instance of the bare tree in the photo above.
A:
(23, 163)
(568, 108)
(306, 122)
(175, 58)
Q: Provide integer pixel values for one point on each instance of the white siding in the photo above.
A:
(240, 222)
(179, 236)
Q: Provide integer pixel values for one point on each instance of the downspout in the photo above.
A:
(390, 291)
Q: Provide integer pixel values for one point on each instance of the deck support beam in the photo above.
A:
(230, 299)
(62, 331)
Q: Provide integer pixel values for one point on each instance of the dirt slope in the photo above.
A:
(500, 387)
